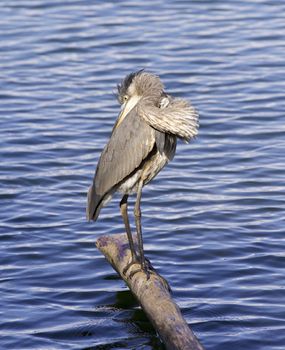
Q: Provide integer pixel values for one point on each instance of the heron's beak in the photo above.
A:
(126, 108)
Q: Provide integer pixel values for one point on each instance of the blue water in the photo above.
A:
(213, 220)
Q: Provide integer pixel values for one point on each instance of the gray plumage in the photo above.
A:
(142, 142)
(179, 118)
(129, 145)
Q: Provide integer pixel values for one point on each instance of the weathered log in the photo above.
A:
(153, 295)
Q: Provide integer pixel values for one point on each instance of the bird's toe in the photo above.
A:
(134, 261)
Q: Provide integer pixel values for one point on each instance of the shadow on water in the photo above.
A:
(124, 313)
(135, 320)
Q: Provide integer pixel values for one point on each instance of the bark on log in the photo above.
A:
(153, 295)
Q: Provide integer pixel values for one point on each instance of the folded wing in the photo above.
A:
(130, 143)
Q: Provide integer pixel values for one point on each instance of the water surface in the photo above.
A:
(213, 220)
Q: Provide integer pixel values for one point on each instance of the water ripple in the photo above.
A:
(222, 196)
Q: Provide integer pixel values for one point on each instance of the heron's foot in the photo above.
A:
(148, 269)
(145, 267)
(141, 269)
(134, 261)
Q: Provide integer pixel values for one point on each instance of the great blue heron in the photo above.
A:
(142, 142)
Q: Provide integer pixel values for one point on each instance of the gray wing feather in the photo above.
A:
(130, 143)
(165, 143)
(178, 118)
(94, 204)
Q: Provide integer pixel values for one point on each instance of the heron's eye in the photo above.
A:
(125, 98)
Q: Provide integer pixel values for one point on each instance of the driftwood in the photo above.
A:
(153, 295)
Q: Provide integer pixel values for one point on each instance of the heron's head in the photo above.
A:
(136, 86)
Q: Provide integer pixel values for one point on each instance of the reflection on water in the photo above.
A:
(213, 220)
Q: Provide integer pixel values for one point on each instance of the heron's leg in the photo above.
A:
(137, 212)
(124, 212)
(145, 263)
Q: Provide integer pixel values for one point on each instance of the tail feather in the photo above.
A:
(94, 204)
